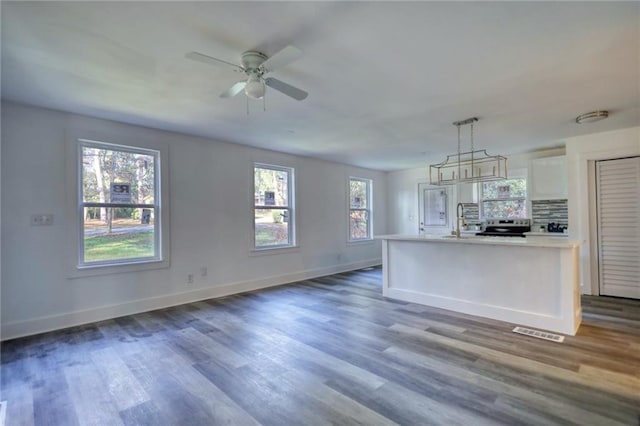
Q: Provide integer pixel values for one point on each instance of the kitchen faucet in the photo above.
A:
(460, 216)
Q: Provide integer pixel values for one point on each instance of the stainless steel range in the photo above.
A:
(506, 227)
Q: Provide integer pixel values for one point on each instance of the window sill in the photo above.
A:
(275, 250)
(360, 242)
(97, 270)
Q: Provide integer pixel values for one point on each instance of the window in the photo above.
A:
(359, 209)
(504, 198)
(119, 205)
(273, 207)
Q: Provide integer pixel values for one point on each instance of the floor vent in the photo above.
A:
(539, 334)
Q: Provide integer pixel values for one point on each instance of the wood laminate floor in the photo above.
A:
(330, 350)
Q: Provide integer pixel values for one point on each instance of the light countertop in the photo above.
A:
(546, 234)
(502, 241)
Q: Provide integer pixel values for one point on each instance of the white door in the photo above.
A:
(618, 209)
(434, 208)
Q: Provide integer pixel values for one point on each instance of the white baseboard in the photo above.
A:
(12, 330)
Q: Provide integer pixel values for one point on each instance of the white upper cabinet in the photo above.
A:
(548, 178)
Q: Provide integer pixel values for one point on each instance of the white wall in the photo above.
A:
(402, 197)
(402, 200)
(211, 224)
(581, 152)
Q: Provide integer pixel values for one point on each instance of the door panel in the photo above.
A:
(618, 209)
(434, 208)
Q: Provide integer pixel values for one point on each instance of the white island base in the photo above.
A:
(528, 282)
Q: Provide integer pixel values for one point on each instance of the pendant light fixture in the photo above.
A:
(470, 166)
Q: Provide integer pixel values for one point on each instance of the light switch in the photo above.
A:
(42, 219)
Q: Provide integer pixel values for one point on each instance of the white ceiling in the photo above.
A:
(385, 79)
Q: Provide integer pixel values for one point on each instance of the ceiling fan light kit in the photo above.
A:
(255, 65)
(254, 87)
(592, 117)
(470, 166)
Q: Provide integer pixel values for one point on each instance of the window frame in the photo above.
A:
(290, 207)
(515, 174)
(369, 209)
(78, 132)
(156, 206)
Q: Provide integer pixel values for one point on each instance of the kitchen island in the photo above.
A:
(533, 282)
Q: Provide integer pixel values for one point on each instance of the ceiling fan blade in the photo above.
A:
(285, 88)
(233, 90)
(195, 56)
(282, 58)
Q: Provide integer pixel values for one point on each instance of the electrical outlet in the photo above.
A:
(190, 278)
(42, 219)
(203, 272)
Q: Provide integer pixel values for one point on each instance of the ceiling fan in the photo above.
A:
(255, 65)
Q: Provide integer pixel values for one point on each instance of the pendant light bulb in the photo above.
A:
(255, 87)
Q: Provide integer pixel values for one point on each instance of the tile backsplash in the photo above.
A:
(544, 212)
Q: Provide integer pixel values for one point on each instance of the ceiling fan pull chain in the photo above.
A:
(264, 103)
(247, 98)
